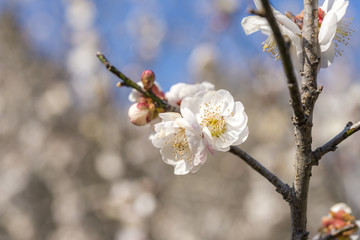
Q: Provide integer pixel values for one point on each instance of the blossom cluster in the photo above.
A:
(334, 31)
(207, 121)
(340, 223)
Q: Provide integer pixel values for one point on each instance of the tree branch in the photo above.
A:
(284, 50)
(130, 83)
(303, 132)
(280, 186)
(331, 145)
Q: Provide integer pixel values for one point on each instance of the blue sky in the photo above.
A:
(187, 24)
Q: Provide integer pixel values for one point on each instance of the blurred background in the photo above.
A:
(73, 167)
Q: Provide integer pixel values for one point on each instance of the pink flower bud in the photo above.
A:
(139, 114)
(148, 79)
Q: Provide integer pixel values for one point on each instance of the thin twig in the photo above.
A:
(331, 145)
(280, 186)
(130, 83)
(284, 47)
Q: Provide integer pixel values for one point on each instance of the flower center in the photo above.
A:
(214, 122)
(343, 34)
(180, 145)
(270, 46)
(216, 126)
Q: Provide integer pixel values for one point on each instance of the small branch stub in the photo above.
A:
(331, 145)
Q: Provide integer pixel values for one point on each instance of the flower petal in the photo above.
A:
(191, 103)
(258, 4)
(287, 23)
(337, 6)
(340, 9)
(253, 24)
(181, 168)
(169, 116)
(327, 30)
(167, 154)
(242, 137)
(327, 57)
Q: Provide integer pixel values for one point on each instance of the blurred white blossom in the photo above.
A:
(181, 90)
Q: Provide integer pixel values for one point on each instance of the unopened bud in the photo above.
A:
(139, 114)
(148, 79)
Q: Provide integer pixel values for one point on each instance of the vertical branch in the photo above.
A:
(284, 51)
(303, 131)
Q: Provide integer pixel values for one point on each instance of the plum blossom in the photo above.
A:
(180, 143)
(181, 90)
(223, 122)
(340, 217)
(144, 110)
(288, 29)
(334, 30)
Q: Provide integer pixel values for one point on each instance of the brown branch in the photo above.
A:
(280, 186)
(331, 145)
(130, 83)
(303, 133)
(284, 50)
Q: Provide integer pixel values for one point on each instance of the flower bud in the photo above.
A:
(139, 114)
(148, 79)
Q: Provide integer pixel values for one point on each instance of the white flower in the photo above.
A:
(181, 90)
(287, 27)
(223, 121)
(181, 145)
(334, 30)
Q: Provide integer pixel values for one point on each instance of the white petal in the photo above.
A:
(165, 128)
(327, 5)
(167, 154)
(169, 116)
(287, 23)
(296, 57)
(201, 155)
(181, 168)
(341, 10)
(242, 137)
(191, 103)
(156, 141)
(258, 4)
(220, 99)
(337, 6)
(341, 206)
(253, 24)
(194, 140)
(208, 85)
(238, 121)
(327, 31)
(327, 57)
(294, 38)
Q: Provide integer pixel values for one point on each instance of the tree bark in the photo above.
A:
(303, 137)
